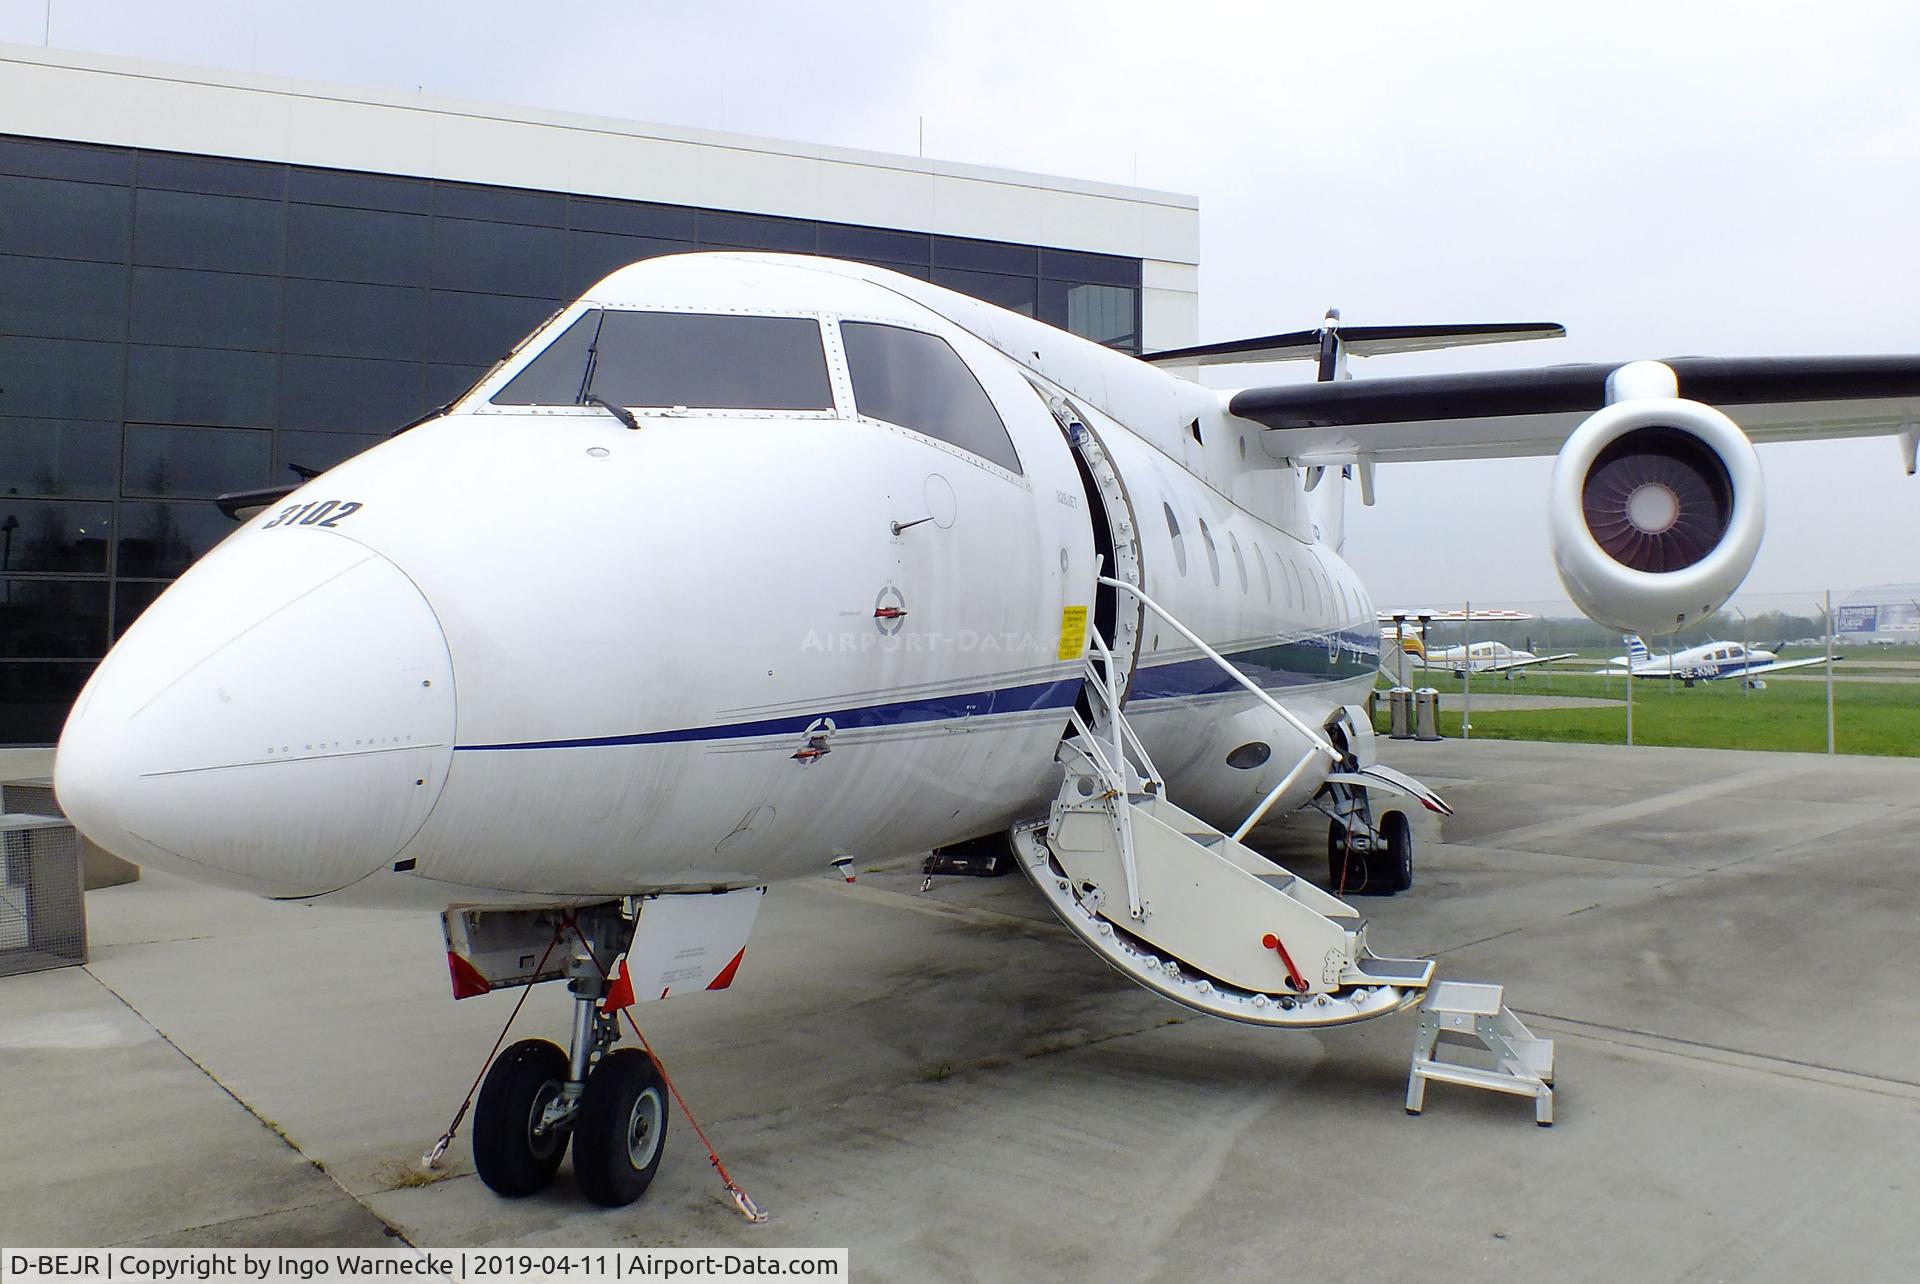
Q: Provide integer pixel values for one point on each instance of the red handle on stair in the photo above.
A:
(1295, 981)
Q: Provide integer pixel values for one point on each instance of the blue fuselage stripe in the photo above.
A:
(1272, 666)
(1057, 694)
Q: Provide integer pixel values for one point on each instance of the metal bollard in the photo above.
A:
(1400, 713)
(1426, 714)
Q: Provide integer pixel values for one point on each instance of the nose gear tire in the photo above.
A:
(511, 1158)
(621, 1131)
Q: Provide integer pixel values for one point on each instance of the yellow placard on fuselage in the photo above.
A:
(1073, 632)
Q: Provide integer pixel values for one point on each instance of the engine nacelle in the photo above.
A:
(1655, 513)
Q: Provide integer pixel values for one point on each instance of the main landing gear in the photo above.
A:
(1364, 859)
(536, 1098)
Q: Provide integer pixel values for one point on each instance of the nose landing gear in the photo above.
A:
(536, 1098)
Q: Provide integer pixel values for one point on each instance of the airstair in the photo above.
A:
(1187, 910)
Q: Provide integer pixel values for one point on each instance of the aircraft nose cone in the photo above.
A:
(280, 720)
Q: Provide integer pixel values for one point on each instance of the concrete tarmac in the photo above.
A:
(1722, 944)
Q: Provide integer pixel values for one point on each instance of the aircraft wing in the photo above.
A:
(1780, 666)
(1508, 666)
(1504, 413)
(1358, 340)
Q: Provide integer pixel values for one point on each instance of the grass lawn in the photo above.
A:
(1870, 717)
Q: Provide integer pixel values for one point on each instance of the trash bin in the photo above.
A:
(1400, 713)
(1426, 714)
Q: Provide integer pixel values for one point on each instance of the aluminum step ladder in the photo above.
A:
(1474, 1014)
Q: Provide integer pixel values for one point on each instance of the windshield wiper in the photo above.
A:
(588, 397)
(621, 413)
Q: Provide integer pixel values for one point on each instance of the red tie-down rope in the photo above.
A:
(432, 1158)
(741, 1200)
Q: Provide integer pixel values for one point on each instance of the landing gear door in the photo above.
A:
(1116, 535)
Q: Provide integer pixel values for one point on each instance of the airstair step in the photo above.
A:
(1397, 971)
(1278, 882)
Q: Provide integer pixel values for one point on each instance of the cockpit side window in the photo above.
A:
(919, 382)
(554, 377)
(693, 359)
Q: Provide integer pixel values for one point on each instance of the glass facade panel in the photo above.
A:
(60, 378)
(359, 191)
(332, 318)
(39, 158)
(62, 457)
(500, 204)
(375, 246)
(195, 462)
(1096, 269)
(349, 394)
(1015, 293)
(755, 232)
(479, 329)
(499, 258)
(205, 309)
(34, 699)
(130, 598)
(592, 255)
(630, 218)
(1104, 313)
(445, 383)
(323, 309)
(163, 539)
(918, 381)
(52, 619)
(985, 256)
(62, 298)
(54, 536)
(171, 171)
(191, 230)
(872, 244)
(321, 450)
(65, 220)
(200, 386)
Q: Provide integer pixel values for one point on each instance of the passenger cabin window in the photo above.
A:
(919, 382)
(665, 359)
(1173, 532)
(1213, 554)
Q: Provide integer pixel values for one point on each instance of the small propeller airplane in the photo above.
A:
(1708, 662)
(1407, 640)
(745, 566)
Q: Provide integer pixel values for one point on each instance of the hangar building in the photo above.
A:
(1882, 613)
(207, 277)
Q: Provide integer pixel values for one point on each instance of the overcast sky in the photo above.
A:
(1665, 179)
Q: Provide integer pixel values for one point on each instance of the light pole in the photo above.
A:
(1746, 683)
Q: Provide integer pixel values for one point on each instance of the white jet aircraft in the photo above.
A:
(746, 565)
(1708, 662)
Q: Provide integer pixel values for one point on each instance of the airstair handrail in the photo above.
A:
(1109, 690)
(1318, 741)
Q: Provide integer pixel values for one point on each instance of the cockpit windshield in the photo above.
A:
(667, 359)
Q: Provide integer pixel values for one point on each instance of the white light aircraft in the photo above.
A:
(1708, 662)
(746, 565)
(1481, 657)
